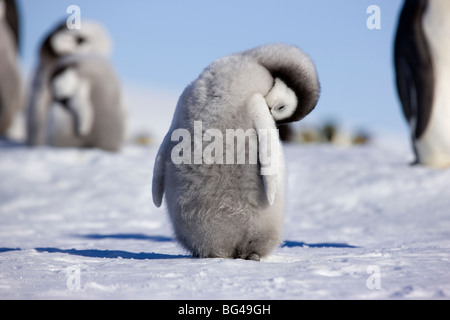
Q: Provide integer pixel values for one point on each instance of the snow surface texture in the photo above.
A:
(360, 223)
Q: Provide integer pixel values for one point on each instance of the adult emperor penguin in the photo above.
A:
(10, 79)
(76, 99)
(231, 210)
(422, 62)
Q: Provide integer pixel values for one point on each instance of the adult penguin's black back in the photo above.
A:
(414, 70)
(422, 74)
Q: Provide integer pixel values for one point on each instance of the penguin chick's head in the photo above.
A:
(91, 38)
(294, 75)
(281, 100)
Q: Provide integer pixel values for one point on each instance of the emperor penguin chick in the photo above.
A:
(76, 99)
(10, 80)
(219, 205)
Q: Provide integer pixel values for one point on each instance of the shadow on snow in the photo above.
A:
(113, 254)
(8, 249)
(293, 244)
(129, 236)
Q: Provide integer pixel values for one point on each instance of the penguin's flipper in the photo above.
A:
(81, 107)
(268, 144)
(406, 89)
(75, 94)
(158, 176)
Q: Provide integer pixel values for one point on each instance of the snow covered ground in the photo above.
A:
(360, 224)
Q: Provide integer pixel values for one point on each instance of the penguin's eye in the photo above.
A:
(80, 40)
(280, 108)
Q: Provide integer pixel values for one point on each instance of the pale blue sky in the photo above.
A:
(166, 44)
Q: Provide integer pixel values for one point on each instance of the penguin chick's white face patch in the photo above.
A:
(281, 100)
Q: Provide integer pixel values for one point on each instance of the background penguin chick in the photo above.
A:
(76, 99)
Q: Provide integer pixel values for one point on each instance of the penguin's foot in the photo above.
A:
(253, 257)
